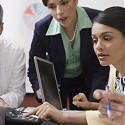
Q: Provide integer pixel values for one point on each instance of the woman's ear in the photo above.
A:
(76, 1)
(1, 28)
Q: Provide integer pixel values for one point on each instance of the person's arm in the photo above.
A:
(16, 78)
(117, 102)
(75, 118)
(37, 49)
(48, 112)
(80, 100)
(3, 103)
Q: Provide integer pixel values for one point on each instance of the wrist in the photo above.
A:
(93, 105)
(65, 118)
(1, 99)
(90, 105)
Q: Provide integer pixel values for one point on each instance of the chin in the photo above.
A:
(104, 64)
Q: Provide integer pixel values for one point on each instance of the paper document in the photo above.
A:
(29, 109)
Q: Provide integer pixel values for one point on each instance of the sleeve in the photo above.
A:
(16, 89)
(93, 119)
(37, 49)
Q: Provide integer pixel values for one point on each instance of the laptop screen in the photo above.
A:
(47, 82)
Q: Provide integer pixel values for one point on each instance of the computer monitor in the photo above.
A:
(47, 82)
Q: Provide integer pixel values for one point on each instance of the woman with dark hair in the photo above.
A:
(109, 46)
(65, 34)
(108, 34)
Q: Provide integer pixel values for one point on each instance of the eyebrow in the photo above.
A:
(61, 0)
(107, 32)
(52, 3)
(104, 33)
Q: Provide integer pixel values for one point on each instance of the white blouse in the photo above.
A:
(119, 85)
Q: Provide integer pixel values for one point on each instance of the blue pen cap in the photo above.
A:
(58, 85)
(108, 105)
(107, 88)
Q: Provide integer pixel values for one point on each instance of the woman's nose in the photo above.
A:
(60, 11)
(99, 45)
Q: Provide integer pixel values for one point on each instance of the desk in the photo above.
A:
(52, 123)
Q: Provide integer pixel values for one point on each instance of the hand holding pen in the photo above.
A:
(117, 105)
(108, 105)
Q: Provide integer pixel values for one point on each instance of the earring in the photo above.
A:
(76, 3)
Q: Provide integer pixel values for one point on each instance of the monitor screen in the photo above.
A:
(48, 82)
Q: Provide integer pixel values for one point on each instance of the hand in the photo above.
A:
(47, 112)
(117, 106)
(3, 103)
(39, 95)
(80, 100)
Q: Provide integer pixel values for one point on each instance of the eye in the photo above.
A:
(64, 2)
(107, 38)
(51, 6)
(94, 40)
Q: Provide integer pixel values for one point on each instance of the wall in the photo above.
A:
(101, 4)
(18, 26)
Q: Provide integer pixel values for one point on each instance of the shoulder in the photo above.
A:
(92, 13)
(45, 22)
(42, 25)
(10, 47)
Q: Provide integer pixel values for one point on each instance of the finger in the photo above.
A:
(32, 112)
(44, 114)
(98, 94)
(81, 104)
(75, 103)
(75, 98)
(114, 105)
(106, 118)
(43, 107)
(81, 97)
(113, 96)
(41, 110)
(114, 113)
(114, 120)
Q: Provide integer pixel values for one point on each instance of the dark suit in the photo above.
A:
(95, 76)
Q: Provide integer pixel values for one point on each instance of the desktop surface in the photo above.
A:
(52, 123)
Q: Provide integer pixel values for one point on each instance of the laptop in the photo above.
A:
(48, 82)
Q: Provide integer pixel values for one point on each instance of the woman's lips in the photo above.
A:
(62, 19)
(102, 56)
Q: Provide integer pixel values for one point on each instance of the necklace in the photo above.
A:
(74, 34)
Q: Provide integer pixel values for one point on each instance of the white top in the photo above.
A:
(12, 73)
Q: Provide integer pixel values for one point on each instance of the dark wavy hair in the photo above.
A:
(45, 2)
(113, 17)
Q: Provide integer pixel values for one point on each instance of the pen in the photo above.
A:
(58, 85)
(108, 105)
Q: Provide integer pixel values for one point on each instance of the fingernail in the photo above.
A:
(120, 108)
(97, 95)
(118, 113)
